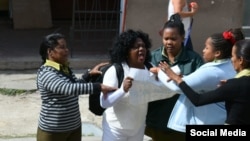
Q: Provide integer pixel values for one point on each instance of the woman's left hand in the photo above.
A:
(154, 70)
(222, 82)
(194, 7)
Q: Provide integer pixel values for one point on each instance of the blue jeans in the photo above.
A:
(188, 43)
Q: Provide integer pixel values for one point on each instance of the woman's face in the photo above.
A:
(60, 53)
(172, 41)
(236, 61)
(209, 54)
(137, 54)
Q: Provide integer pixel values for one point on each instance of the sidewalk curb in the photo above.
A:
(28, 63)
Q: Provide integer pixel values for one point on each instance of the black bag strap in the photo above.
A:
(148, 65)
(119, 73)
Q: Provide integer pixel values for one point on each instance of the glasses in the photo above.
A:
(61, 47)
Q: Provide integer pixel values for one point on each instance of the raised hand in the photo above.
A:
(96, 69)
(194, 7)
(127, 83)
(170, 73)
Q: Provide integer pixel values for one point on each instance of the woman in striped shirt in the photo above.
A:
(59, 88)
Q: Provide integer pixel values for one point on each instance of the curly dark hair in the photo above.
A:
(124, 42)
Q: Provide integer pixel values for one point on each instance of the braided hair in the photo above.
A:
(175, 22)
(243, 50)
(224, 42)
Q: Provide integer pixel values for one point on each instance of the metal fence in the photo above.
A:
(94, 24)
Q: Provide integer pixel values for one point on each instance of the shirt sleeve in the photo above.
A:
(222, 93)
(54, 83)
(110, 79)
(198, 81)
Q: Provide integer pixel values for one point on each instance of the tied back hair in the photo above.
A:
(224, 45)
(237, 33)
(49, 42)
(175, 18)
(175, 21)
(243, 50)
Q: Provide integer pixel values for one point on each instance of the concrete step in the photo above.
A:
(29, 63)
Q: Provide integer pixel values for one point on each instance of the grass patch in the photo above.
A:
(14, 92)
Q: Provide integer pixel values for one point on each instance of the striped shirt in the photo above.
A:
(59, 93)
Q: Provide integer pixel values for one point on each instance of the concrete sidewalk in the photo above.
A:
(33, 63)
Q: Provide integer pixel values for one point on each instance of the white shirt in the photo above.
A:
(126, 112)
(120, 114)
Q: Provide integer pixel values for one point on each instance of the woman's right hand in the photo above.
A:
(127, 83)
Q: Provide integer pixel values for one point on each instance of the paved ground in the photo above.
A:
(19, 114)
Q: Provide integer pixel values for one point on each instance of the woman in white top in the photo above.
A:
(123, 121)
(182, 8)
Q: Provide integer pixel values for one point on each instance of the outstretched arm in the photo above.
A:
(222, 93)
(111, 79)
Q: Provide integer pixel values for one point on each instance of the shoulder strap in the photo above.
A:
(148, 65)
(119, 73)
